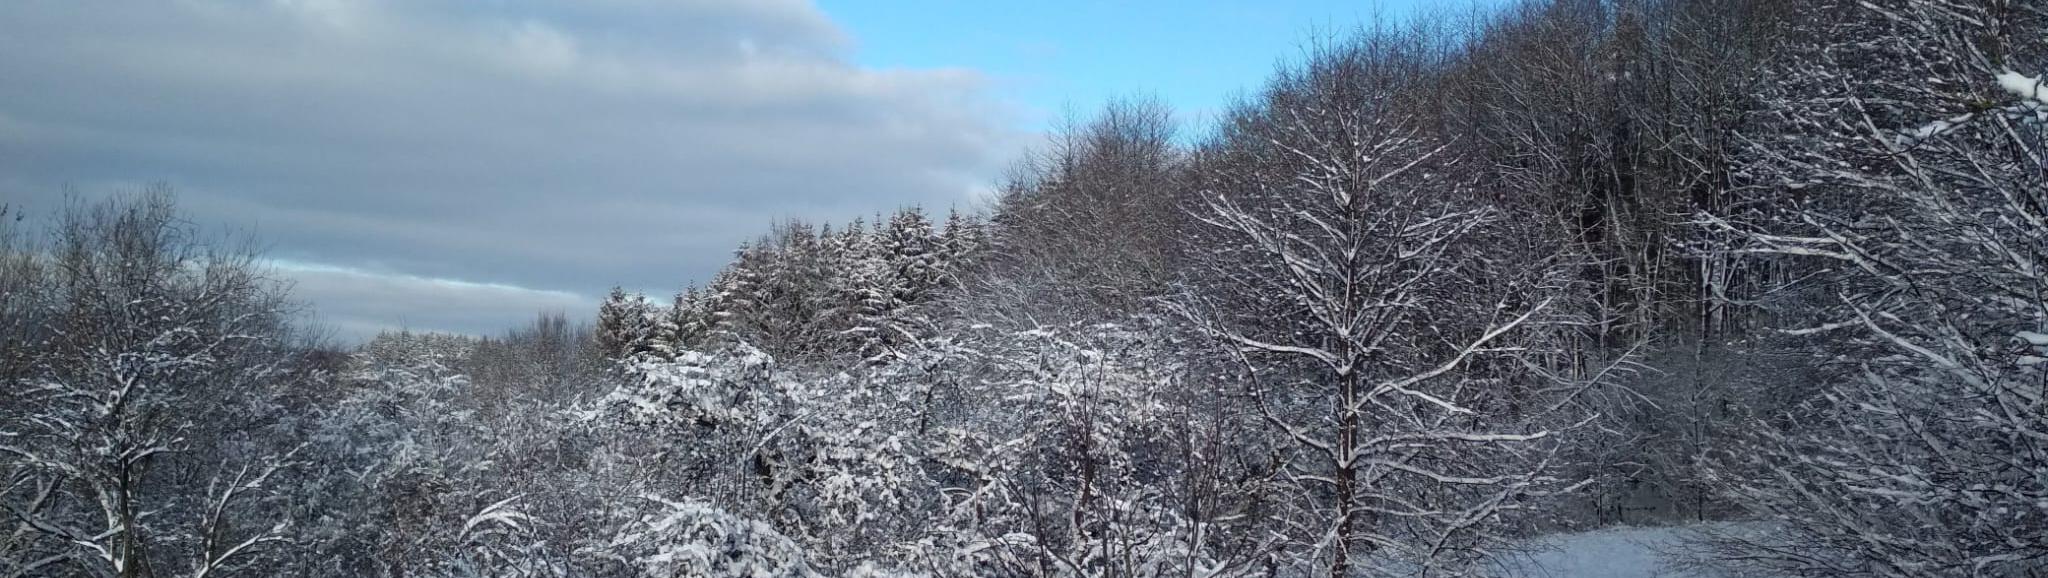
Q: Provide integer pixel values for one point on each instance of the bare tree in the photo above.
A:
(1910, 171)
(153, 337)
(1089, 226)
(1394, 352)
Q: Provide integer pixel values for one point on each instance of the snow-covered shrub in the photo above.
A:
(692, 389)
(693, 539)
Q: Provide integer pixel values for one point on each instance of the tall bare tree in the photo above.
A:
(1386, 318)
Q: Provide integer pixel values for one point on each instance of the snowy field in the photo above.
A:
(1609, 553)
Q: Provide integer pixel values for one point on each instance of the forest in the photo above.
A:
(1772, 271)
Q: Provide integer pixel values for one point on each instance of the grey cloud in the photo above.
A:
(555, 146)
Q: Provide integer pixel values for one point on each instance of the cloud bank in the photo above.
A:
(458, 165)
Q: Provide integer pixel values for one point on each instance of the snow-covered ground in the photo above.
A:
(1609, 553)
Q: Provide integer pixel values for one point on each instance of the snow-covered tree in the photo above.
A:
(1091, 466)
(691, 317)
(1391, 326)
(1906, 163)
(852, 292)
(133, 436)
(963, 245)
(1092, 221)
(624, 324)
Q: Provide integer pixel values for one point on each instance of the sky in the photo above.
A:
(1063, 58)
(461, 166)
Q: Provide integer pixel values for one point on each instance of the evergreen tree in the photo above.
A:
(961, 245)
(912, 253)
(691, 319)
(789, 326)
(617, 324)
(737, 293)
(662, 336)
(850, 291)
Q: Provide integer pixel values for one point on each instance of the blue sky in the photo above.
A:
(1047, 57)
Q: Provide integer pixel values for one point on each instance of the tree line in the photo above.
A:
(804, 290)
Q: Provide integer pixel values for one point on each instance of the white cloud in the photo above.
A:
(543, 48)
(358, 303)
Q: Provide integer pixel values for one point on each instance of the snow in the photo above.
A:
(2032, 338)
(2029, 89)
(501, 513)
(1932, 129)
(1626, 552)
(2024, 86)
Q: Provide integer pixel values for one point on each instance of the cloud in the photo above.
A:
(563, 147)
(355, 303)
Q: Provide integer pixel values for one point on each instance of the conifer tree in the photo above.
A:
(690, 317)
(616, 324)
(960, 245)
(662, 335)
(911, 251)
(853, 292)
(790, 321)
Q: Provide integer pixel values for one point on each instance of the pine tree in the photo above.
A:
(628, 325)
(736, 294)
(901, 273)
(796, 283)
(853, 268)
(691, 319)
(960, 246)
(912, 253)
(616, 324)
(662, 336)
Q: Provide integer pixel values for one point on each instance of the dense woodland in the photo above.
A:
(1427, 291)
